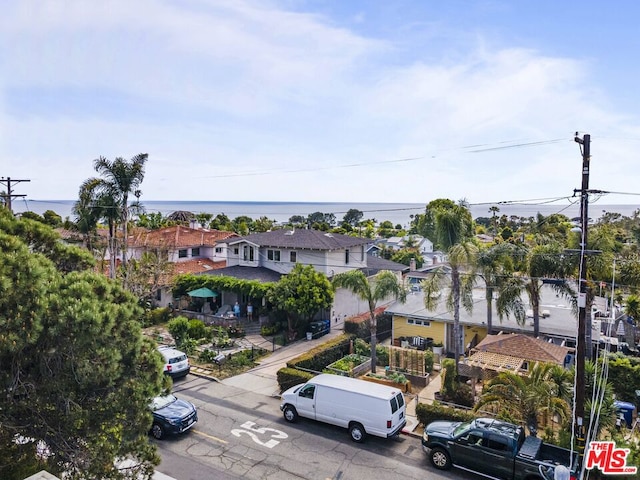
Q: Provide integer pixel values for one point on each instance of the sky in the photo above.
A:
(323, 100)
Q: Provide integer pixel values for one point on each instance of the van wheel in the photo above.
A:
(290, 414)
(440, 459)
(357, 432)
(157, 431)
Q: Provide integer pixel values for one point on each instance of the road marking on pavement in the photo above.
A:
(250, 429)
(211, 437)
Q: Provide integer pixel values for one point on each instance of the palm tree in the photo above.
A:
(94, 204)
(495, 264)
(382, 286)
(119, 179)
(107, 197)
(524, 397)
(537, 266)
(453, 227)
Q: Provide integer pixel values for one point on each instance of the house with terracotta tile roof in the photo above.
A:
(190, 250)
(181, 243)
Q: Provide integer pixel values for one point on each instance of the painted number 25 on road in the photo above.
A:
(249, 428)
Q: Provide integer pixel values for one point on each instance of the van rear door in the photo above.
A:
(398, 411)
(306, 401)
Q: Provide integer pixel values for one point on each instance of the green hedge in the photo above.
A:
(289, 377)
(436, 411)
(319, 357)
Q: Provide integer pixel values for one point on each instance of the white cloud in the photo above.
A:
(218, 91)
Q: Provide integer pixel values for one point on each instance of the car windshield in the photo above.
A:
(461, 428)
(162, 401)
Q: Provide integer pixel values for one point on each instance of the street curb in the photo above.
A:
(204, 374)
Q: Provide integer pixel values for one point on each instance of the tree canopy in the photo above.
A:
(302, 294)
(77, 373)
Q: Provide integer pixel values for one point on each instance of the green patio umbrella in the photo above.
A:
(203, 292)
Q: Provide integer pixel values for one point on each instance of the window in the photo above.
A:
(236, 250)
(397, 402)
(362, 253)
(273, 255)
(497, 443)
(293, 258)
(422, 323)
(308, 391)
(182, 253)
(219, 250)
(346, 256)
(195, 252)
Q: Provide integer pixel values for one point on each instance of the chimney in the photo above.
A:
(412, 265)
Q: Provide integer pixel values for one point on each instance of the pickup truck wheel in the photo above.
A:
(157, 431)
(357, 432)
(440, 459)
(290, 414)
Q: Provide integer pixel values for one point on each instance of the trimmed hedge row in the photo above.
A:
(436, 411)
(319, 357)
(289, 377)
(315, 360)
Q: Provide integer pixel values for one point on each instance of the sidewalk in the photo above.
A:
(263, 378)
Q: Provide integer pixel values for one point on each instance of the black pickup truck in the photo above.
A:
(492, 448)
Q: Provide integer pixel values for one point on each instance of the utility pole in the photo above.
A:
(578, 425)
(9, 195)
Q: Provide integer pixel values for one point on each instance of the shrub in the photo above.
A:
(189, 345)
(207, 356)
(382, 355)
(179, 329)
(448, 377)
(436, 411)
(268, 330)
(197, 329)
(428, 361)
(289, 377)
(157, 316)
(461, 395)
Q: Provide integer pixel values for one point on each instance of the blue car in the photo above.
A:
(171, 416)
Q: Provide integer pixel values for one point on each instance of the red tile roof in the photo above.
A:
(197, 265)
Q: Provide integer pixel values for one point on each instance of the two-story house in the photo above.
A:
(190, 250)
(269, 255)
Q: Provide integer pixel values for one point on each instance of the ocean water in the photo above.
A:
(396, 213)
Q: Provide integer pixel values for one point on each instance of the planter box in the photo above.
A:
(404, 387)
(417, 380)
(354, 372)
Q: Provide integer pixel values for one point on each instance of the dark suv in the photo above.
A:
(171, 415)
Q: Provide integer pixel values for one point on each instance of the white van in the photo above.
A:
(362, 407)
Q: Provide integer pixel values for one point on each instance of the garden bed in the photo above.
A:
(384, 380)
(352, 365)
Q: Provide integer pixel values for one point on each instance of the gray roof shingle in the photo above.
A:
(303, 239)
